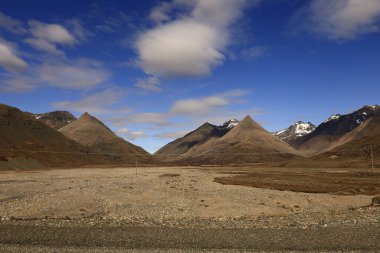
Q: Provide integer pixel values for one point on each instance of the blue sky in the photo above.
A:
(155, 70)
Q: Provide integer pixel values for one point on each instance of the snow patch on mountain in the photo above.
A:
(230, 124)
(333, 117)
(295, 131)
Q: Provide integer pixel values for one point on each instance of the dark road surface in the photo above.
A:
(20, 238)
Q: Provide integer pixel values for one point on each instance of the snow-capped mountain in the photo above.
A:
(295, 131)
(230, 124)
(331, 130)
(355, 118)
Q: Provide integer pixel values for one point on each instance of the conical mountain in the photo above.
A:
(195, 138)
(26, 143)
(91, 132)
(247, 142)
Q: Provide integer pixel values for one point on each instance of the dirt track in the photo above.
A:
(121, 239)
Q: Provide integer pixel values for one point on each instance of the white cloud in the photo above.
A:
(18, 84)
(341, 19)
(9, 60)
(46, 37)
(151, 84)
(160, 119)
(163, 11)
(97, 103)
(130, 135)
(83, 74)
(207, 105)
(172, 134)
(191, 45)
(197, 106)
(11, 25)
(71, 75)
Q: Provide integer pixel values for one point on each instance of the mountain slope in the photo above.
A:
(22, 137)
(295, 131)
(56, 119)
(92, 133)
(248, 142)
(353, 142)
(195, 138)
(328, 134)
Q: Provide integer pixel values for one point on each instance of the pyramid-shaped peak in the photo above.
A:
(247, 124)
(86, 122)
(247, 119)
(86, 115)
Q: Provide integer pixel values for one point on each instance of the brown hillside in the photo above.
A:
(248, 142)
(335, 131)
(195, 138)
(23, 138)
(92, 133)
(352, 149)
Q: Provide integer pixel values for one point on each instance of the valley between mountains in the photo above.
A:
(58, 139)
(61, 175)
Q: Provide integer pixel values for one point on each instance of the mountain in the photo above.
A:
(352, 143)
(56, 119)
(247, 142)
(91, 132)
(195, 138)
(328, 134)
(26, 143)
(230, 124)
(295, 131)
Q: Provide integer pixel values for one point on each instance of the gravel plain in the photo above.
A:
(181, 203)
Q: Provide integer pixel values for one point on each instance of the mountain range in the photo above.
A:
(59, 139)
(334, 131)
(247, 142)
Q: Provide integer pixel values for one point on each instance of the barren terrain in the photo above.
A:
(179, 199)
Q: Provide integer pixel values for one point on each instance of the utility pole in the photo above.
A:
(135, 167)
(368, 151)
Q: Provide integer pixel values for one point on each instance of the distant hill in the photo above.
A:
(247, 142)
(328, 135)
(92, 133)
(295, 132)
(27, 142)
(56, 119)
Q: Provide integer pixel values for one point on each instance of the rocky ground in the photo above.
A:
(180, 203)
